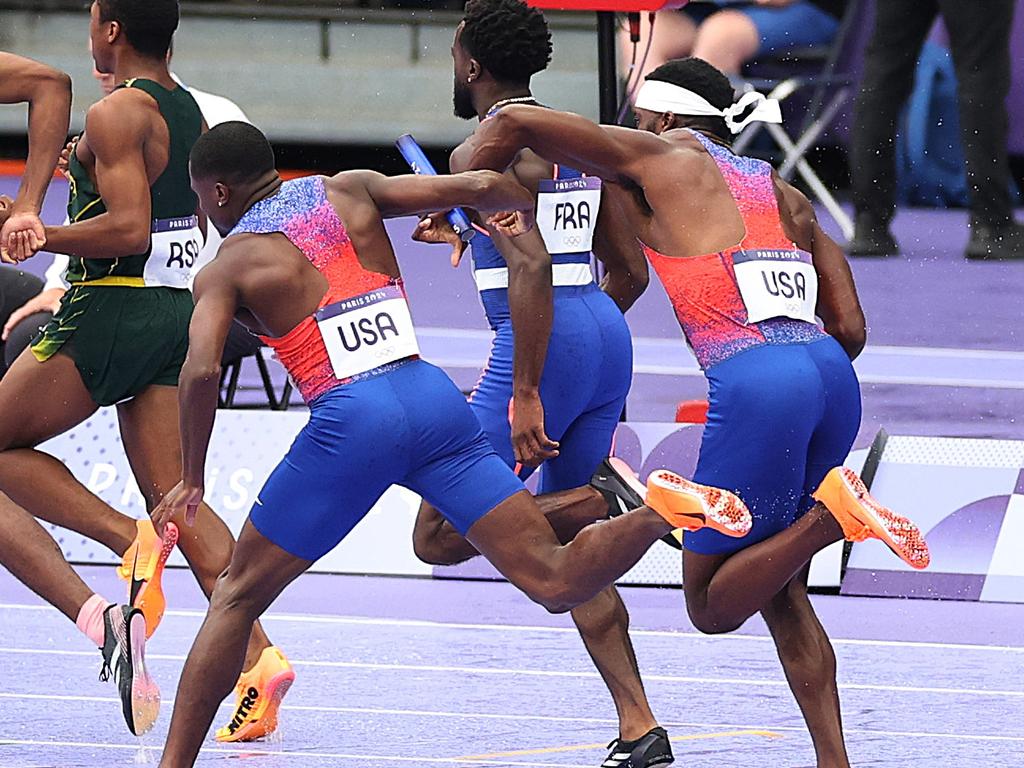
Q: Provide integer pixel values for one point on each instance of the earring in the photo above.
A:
(220, 203)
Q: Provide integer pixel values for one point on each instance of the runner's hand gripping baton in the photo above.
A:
(419, 164)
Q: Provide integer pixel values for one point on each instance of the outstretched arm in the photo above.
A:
(48, 93)
(613, 153)
(410, 195)
(216, 299)
(838, 304)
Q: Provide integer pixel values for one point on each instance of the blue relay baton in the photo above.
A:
(418, 162)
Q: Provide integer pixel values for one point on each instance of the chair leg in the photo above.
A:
(818, 188)
(810, 136)
(286, 396)
(232, 373)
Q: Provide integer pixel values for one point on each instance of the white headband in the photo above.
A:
(658, 96)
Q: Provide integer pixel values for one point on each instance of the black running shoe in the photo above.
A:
(653, 748)
(623, 491)
(124, 656)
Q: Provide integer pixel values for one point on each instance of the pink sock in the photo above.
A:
(90, 619)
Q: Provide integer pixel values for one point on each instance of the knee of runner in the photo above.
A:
(230, 595)
(706, 622)
(428, 546)
(553, 594)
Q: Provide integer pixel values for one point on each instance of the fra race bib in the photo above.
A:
(367, 331)
(567, 213)
(174, 252)
(777, 283)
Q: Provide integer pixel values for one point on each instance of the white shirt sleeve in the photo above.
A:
(216, 110)
(54, 275)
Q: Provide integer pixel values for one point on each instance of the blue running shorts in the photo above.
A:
(409, 427)
(780, 417)
(587, 373)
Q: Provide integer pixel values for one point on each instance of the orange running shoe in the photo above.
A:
(258, 698)
(861, 517)
(143, 566)
(692, 506)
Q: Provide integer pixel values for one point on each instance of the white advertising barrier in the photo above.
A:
(246, 445)
(647, 446)
(967, 496)
(244, 449)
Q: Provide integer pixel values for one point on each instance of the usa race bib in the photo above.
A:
(567, 213)
(367, 331)
(174, 252)
(777, 283)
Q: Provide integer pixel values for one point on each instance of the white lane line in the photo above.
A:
(939, 381)
(300, 618)
(688, 371)
(552, 673)
(676, 343)
(952, 352)
(248, 753)
(650, 355)
(541, 718)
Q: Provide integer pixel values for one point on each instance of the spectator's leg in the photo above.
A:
(674, 34)
(899, 33)
(979, 34)
(21, 336)
(728, 40)
(16, 287)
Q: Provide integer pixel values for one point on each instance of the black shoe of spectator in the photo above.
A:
(871, 238)
(989, 243)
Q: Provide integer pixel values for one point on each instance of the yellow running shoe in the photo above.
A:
(861, 517)
(143, 566)
(258, 697)
(691, 506)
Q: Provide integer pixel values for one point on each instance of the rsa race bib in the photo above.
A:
(174, 252)
(567, 213)
(777, 283)
(367, 331)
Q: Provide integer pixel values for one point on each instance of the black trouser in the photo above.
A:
(979, 32)
(17, 287)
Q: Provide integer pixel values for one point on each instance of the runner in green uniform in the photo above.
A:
(121, 333)
(26, 550)
(123, 339)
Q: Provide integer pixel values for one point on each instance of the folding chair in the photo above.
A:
(229, 384)
(826, 74)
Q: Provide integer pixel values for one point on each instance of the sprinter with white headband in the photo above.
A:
(749, 273)
(661, 97)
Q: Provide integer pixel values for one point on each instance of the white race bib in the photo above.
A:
(174, 252)
(777, 283)
(567, 213)
(367, 331)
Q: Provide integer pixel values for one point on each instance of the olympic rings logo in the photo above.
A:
(572, 240)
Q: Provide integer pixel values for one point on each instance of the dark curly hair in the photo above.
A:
(149, 25)
(705, 80)
(510, 39)
(232, 152)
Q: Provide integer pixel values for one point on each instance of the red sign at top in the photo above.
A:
(622, 6)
